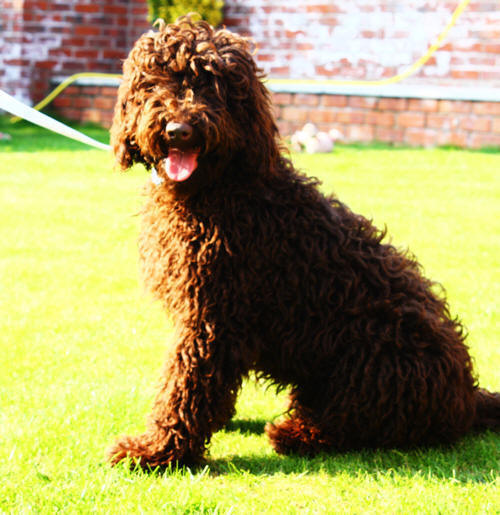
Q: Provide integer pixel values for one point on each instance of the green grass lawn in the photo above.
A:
(81, 346)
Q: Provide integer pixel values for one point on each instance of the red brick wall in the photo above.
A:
(402, 121)
(408, 121)
(12, 76)
(87, 104)
(371, 39)
(358, 39)
(44, 38)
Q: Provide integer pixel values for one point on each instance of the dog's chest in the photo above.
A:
(179, 254)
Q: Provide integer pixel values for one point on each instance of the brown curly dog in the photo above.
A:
(261, 272)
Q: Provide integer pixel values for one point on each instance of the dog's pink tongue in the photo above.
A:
(180, 165)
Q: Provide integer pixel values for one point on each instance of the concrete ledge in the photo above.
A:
(475, 94)
(393, 90)
(88, 81)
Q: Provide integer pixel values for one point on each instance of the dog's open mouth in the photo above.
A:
(180, 164)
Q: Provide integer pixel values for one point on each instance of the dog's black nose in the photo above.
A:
(179, 131)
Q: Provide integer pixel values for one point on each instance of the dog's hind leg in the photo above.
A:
(487, 410)
(297, 435)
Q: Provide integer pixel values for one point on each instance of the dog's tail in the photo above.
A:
(487, 410)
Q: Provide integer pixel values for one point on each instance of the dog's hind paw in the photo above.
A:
(296, 436)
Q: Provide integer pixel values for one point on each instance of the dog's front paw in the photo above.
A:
(122, 449)
(152, 450)
(137, 449)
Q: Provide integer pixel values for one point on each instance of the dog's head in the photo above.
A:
(191, 99)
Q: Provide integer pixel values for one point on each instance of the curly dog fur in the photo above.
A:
(261, 272)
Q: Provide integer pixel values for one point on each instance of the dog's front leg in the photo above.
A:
(196, 397)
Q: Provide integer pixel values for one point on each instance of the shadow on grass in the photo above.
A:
(255, 427)
(475, 458)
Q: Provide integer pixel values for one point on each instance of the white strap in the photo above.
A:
(13, 106)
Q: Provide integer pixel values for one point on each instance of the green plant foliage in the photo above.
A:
(170, 10)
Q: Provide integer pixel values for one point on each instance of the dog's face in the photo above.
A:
(191, 97)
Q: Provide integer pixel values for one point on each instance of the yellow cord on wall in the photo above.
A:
(396, 78)
(67, 82)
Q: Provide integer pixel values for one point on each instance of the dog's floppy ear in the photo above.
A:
(255, 111)
(124, 153)
(129, 104)
(123, 130)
